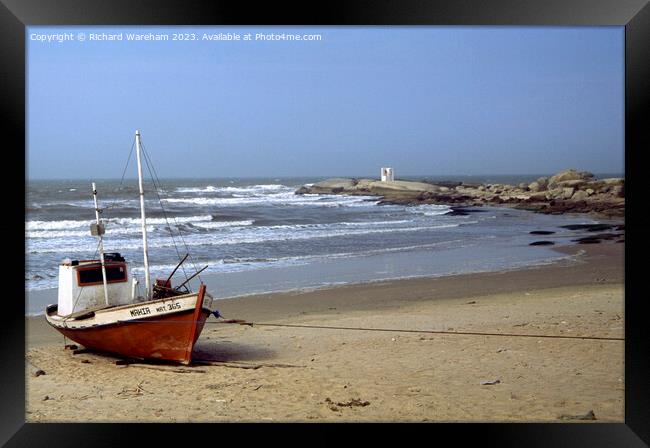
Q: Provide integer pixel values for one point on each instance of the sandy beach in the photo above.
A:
(291, 374)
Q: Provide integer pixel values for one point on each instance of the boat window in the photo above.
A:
(93, 276)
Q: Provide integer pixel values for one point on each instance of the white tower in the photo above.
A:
(387, 174)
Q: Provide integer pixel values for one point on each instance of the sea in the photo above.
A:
(255, 235)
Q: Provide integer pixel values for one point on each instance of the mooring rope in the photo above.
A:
(469, 333)
(392, 330)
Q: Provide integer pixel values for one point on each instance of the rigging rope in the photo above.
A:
(149, 165)
(123, 174)
(180, 233)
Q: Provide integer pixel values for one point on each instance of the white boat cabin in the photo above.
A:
(81, 284)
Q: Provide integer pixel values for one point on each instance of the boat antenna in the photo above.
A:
(176, 268)
(144, 219)
(190, 278)
(98, 229)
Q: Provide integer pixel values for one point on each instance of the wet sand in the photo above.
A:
(268, 373)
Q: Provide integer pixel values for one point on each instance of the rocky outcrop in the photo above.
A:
(569, 175)
(568, 191)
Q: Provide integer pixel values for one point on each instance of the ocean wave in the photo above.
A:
(231, 264)
(234, 264)
(74, 224)
(430, 209)
(254, 189)
(283, 198)
(81, 233)
(253, 235)
(222, 224)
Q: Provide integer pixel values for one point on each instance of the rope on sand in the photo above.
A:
(398, 330)
(395, 330)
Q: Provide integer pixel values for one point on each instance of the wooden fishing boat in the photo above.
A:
(98, 306)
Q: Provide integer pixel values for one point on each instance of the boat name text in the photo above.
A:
(140, 311)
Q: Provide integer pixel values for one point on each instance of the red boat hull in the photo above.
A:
(170, 337)
(165, 338)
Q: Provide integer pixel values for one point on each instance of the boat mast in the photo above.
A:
(100, 232)
(144, 219)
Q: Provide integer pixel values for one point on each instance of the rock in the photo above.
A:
(588, 227)
(569, 174)
(542, 243)
(537, 197)
(571, 192)
(515, 198)
(330, 184)
(587, 240)
(541, 232)
(613, 181)
(446, 183)
(618, 191)
(580, 195)
(568, 192)
(35, 371)
(554, 193)
(572, 183)
(462, 211)
(596, 185)
(490, 383)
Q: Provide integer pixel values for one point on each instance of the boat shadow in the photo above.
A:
(226, 351)
(204, 352)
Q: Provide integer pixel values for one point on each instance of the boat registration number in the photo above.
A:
(169, 307)
(159, 309)
(174, 306)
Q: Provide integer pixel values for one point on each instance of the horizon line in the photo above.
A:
(27, 179)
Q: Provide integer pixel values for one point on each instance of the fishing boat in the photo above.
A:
(100, 307)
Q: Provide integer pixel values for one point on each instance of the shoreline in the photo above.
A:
(562, 248)
(309, 280)
(560, 273)
(564, 271)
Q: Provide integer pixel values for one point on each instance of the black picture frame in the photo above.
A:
(15, 15)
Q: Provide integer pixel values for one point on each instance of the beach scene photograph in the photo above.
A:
(325, 224)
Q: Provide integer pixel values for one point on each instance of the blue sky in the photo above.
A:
(425, 100)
